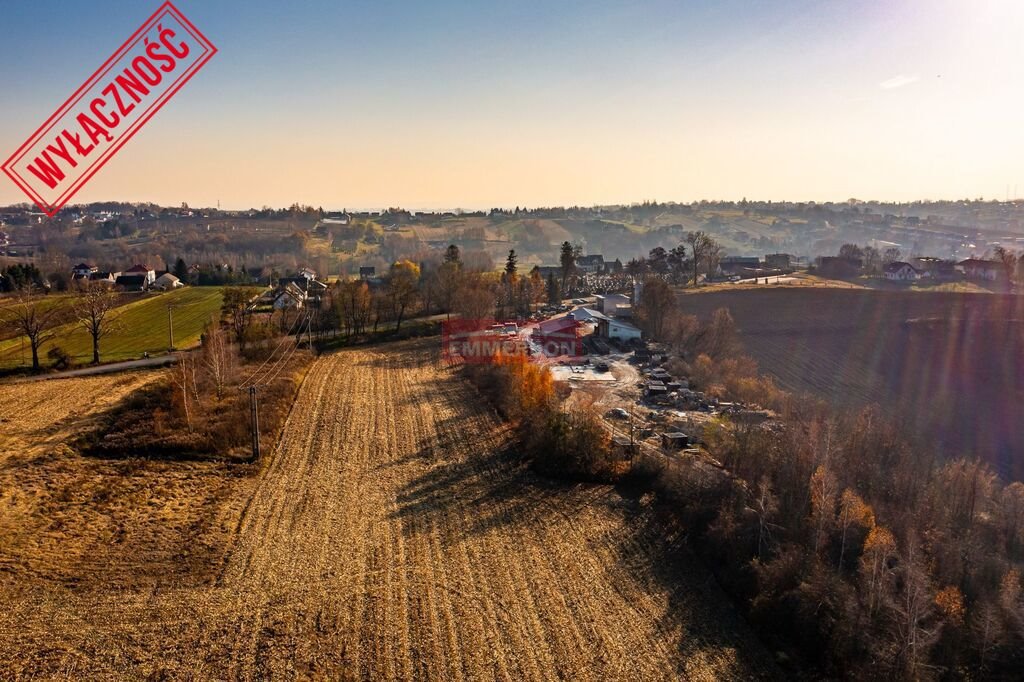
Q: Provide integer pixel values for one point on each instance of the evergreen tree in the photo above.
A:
(452, 255)
(567, 258)
(180, 269)
(510, 264)
(553, 294)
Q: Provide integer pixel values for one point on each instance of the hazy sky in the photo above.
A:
(364, 104)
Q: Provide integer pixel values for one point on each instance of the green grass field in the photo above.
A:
(142, 328)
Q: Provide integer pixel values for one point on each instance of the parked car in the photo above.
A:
(617, 413)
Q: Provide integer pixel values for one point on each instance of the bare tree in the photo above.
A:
(823, 490)
(657, 300)
(217, 359)
(403, 287)
(31, 317)
(236, 309)
(93, 310)
(706, 252)
(184, 377)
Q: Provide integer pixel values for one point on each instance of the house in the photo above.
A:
(133, 282)
(104, 277)
(614, 304)
(310, 288)
(778, 261)
(898, 271)
(289, 297)
(367, 272)
(145, 271)
(547, 270)
(308, 273)
(594, 263)
(936, 268)
(837, 266)
(987, 270)
(167, 281)
(83, 271)
(734, 264)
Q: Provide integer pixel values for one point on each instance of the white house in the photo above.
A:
(83, 271)
(166, 282)
(899, 271)
(290, 297)
(593, 263)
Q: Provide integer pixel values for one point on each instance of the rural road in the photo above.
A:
(393, 535)
(144, 363)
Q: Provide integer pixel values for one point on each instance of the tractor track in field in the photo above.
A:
(392, 535)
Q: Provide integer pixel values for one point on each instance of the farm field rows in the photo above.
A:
(143, 328)
(951, 364)
(392, 535)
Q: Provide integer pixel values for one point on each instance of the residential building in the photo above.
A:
(590, 264)
(104, 277)
(987, 270)
(289, 297)
(778, 261)
(166, 282)
(898, 271)
(132, 282)
(83, 271)
(145, 271)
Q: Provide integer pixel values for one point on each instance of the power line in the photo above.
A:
(280, 345)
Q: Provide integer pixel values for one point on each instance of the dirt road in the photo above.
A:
(393, 536)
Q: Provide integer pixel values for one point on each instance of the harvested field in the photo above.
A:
(392, 535)
(80, 522)
(950, 363)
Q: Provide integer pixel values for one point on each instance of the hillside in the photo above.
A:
(142, 328)
(950, 363)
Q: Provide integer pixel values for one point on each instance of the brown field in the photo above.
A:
(950, 363)
(390, 535)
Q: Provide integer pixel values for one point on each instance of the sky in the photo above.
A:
(365, 104)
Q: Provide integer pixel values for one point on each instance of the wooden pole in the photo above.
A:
(170, 329)
(254, 415)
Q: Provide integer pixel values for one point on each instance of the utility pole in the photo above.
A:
(170, 329)
(254, 415)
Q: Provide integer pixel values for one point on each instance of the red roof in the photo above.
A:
(137, 268)
(558, 325)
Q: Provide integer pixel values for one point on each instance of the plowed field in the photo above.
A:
(392, 535)
(951, 365)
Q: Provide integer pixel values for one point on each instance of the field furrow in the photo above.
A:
(394, 535)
